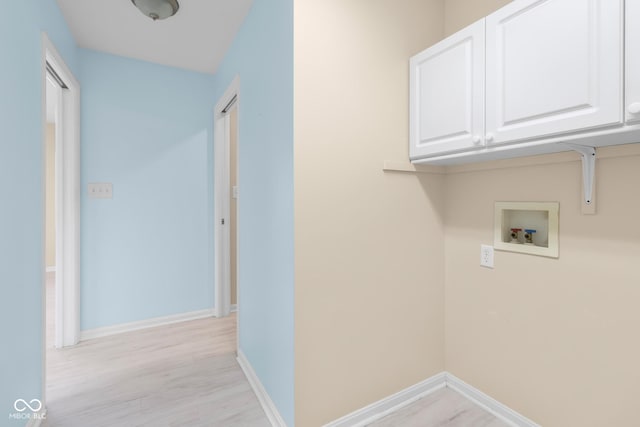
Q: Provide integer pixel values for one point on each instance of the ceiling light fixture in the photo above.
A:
(157, 9)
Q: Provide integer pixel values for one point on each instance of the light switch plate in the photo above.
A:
(100, 190)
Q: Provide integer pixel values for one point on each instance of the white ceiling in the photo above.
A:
(196, 38)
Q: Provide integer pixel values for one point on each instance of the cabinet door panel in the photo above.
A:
(447, 94)
(633, 61)
(553, 67)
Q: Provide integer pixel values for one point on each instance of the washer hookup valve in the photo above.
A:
(528, 235)
(514, 235)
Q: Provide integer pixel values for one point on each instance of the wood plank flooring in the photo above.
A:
(444, 408)
(184, 374)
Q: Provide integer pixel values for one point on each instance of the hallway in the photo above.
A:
(180, 374)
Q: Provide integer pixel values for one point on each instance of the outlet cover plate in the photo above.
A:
(486, 256)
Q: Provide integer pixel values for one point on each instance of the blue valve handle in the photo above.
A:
(528, 235)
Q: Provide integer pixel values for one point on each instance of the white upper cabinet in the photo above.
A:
(633, 61)
(553, 67)
(447, 94)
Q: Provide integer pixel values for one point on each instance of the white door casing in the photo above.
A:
(59, 215)
(67, 198)
(222, 195)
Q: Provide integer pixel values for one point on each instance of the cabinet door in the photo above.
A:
(633, 61)
(553, 67)
(447, 94)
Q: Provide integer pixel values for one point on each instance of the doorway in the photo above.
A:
(61, 213)
(227, 201)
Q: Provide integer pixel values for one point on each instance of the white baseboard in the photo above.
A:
(397, 401)
(234, 308)
(90, 334)
(488, 403)
(390, 404)
(51, 269)
(267, 404)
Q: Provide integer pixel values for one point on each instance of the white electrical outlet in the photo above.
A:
(486, 256)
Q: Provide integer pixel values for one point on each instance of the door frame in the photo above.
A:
(222, 263)
(67, 199)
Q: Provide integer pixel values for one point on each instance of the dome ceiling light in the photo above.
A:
(157, 9)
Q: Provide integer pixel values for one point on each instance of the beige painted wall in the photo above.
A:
(50, 188)
(460, 13)
(552, 339)
(368, 244)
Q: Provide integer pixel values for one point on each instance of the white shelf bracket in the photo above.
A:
(588, 170)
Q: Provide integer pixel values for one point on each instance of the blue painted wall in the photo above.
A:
(22, 194)
(147, 129)
(262, 55)
(148, 251)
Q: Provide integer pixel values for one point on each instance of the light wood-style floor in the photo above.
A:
(444, 408)
(184, 374)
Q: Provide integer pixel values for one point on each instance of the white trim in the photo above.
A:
(59, 208)
(488, 403)
(397, 401)
(67, 197)
(222, 287)
(390, 404)
(237, 218)
(234, 308)
(90, 334)
(51, 269)
(269, 407)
